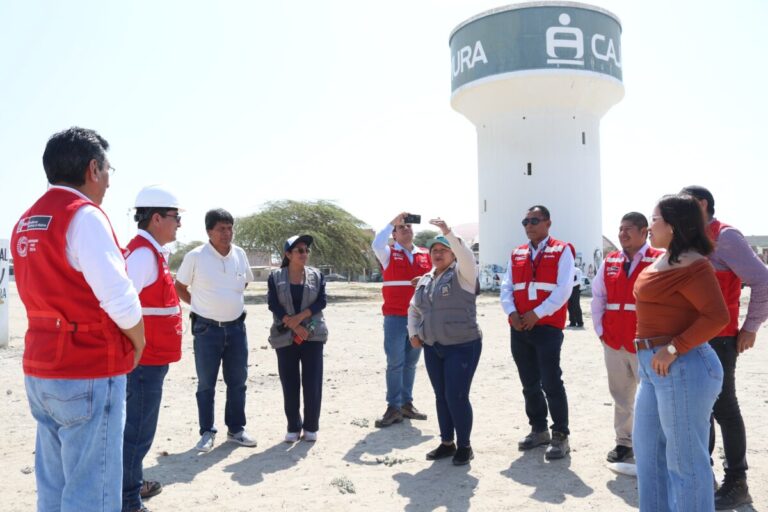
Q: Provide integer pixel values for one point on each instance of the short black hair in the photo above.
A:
(700, 192)
(544, 210)
(212, 217)
(636, 218)
(144, 214)
(69, 152)
(682, 212)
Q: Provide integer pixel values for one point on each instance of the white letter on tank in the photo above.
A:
(464, 55)
(609, 54)
(554, 42)
(479, 54)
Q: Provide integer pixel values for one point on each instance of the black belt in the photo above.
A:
(197, 318)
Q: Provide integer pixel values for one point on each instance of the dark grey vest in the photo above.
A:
(319, 331)
(448, 311)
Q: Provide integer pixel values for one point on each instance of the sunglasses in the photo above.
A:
(533, 221)
(302, 250)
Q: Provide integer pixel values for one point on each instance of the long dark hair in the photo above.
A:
(683, 213)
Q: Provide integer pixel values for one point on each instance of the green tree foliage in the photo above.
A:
(174, 262)
(422, 237)
(340, 239)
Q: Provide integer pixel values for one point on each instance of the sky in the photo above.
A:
(236, 103)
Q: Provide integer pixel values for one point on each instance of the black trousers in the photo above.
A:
(727, 413)
(574, 307)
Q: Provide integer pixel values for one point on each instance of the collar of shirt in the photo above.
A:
(73, 190)
(416, 249)
(217, 253)
(535, 250)
(160, 248)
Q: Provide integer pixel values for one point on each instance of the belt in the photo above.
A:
(197, 318)
(649, 343)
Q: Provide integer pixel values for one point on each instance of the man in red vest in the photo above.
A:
(85, 328)
(615, 321)
(402, 264)
(735, 263)
(534, 295)
(157, 215)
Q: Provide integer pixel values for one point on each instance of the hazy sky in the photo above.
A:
(235, 103)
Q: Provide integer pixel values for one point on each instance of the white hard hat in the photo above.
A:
(156, 196)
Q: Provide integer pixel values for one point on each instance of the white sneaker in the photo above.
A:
(291, 437)
(242, 438)
(310, 436)
(205, 444)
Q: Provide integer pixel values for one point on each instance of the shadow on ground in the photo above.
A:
(551, 481)
(449, 486)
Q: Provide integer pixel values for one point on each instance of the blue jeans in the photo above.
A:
(401, 361)
(301, 366)
(143, 394)
(537, 357)
(227, 347)
(671, 431)
(450, 369)
(79, 446)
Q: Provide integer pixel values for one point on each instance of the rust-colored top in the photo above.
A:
(684, 302)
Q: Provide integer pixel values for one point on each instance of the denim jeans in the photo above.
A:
(227, 347)
(451, 369)
(143, 394)
(301, 366)
(727, 412)
(401, 361)
(79, 446)
(537, 356)
(671, 431)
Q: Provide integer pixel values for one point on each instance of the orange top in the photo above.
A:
(685, 303)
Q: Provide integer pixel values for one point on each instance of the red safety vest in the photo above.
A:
(69, 335)
(161, 310)
(619, 318)
(534, 281)
(397, 288)
(730, 284)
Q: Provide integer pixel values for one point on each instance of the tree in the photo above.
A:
(422, 237)
(340, 239)
(174, 262)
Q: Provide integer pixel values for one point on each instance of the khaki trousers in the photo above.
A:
(622, 383)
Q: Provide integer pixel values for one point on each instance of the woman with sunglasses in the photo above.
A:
(679, 307)
(296, 298)
(443, 318)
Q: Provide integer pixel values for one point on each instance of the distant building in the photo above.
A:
(759, 244)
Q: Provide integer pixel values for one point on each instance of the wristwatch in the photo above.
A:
(672, 349)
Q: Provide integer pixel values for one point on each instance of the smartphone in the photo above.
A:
(412, 219)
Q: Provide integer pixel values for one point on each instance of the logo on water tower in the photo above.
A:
(565, 41)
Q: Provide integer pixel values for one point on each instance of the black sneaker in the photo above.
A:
(463, 456)
(733, 493)
(620, 454)
(558, 447)
(442, 451)
(533, 440)
(391, 415)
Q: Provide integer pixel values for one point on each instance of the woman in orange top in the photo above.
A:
(679, 307)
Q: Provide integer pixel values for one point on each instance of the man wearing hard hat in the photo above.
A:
(158, 218)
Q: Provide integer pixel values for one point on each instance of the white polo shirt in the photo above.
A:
(216, 283)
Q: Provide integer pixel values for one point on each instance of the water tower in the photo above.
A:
(535, 79)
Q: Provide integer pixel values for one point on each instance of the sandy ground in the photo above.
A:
(355, 466)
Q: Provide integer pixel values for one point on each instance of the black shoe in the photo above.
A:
(558, 447)
(409, 411)
(733, 493)
(533, 440)
(391, 415)
(463, 456)
(442, 451)
(620, 453)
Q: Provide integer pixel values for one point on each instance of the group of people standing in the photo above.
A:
(105, 323)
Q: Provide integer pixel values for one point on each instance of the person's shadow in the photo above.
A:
(383, 440)
(551, 481)
(279, 457)
(184, 467)
(625, 487)
(440, 485)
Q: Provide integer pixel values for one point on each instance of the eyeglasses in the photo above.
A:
(177, 217)
(533, 221)
(111, 170)
(302, 250)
